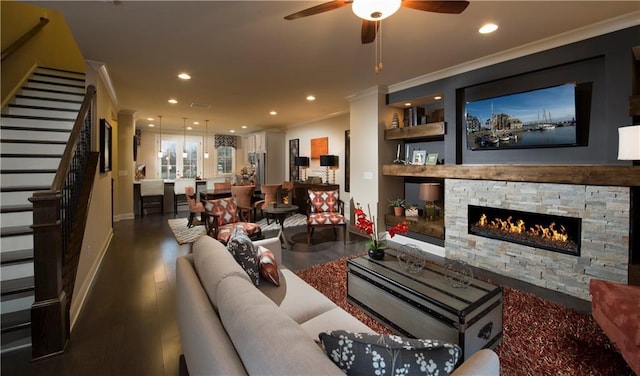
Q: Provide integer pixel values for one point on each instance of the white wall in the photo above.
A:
(334, 129)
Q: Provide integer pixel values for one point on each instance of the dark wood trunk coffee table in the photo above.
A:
(425, 305)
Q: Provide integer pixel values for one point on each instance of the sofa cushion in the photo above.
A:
(268, 265)
(205, 344)
(292, 292)
(213, 263)
(243, 251)
(268, 341)
(334, 319)
(377, 354)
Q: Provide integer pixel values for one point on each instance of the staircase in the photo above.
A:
(34, 130)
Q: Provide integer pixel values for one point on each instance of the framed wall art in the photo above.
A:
(294, 151)
(105, 146)
(319, 146)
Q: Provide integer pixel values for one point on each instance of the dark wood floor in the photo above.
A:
(128, 324)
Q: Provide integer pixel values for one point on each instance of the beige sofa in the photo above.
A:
(230, 327)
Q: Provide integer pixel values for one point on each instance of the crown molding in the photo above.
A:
(101, 68)
(583, 33)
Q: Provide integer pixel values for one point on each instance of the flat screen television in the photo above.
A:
(537, 118)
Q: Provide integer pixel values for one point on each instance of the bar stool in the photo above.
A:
(151, 188)
(178, 192)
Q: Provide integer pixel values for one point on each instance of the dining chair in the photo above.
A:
(270, 192)
(195, 207)
(151, 188)
(243, 195)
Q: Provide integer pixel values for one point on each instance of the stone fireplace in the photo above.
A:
(551, 232)
(597, 215)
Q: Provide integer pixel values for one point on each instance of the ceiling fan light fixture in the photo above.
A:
(375, 10)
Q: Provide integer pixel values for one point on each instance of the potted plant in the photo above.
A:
(398, 206)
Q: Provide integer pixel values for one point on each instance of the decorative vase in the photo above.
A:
(376, 254)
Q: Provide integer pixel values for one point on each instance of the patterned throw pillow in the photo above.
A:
(243, 251)
(383, 354)
(268, 265)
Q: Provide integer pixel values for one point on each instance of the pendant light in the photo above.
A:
(160, 144)
(184, 140)
(206, 134)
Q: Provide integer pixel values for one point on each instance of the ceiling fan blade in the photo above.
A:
(454, 7)
(325, 7)
(369, 31)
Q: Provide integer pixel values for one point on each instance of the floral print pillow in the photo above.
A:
(383, 354)
(243, 251)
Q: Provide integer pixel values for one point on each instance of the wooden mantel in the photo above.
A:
(624, 176)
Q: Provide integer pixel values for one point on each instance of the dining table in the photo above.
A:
(212, 194)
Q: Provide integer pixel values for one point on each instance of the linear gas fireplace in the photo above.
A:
(551, 232)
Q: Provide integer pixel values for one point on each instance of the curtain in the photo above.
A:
(225, 140)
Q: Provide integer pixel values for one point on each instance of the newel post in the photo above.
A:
(49, 313)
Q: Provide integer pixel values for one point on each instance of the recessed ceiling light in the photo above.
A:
(311, 98)
(172, 101)
(150, 118)
(152, 125)
(488, 28)
(189, 128)
(196, 123)
(184, 76)
(244, 127)
(437, 97)
(273, 113)
(232, 130)
(408, 104)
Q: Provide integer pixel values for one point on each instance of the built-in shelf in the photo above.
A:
(415, 132)
(420, 225)
(622, 176)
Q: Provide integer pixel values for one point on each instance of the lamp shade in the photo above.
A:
(301, 161)
(329, 160)
(430, 191)
(629, 143)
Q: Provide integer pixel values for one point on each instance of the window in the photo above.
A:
(168, 165)
(225, 159)
(190, 163)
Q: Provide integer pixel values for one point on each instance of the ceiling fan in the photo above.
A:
(372, 11)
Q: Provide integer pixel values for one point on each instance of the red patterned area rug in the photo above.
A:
(539, 337)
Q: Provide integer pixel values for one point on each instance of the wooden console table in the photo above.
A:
(424, 305)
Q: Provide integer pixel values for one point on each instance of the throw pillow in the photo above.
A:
(378, 354)
(268, 265)
(243, 251)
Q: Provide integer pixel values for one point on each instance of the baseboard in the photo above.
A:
(80, 294)
(122, 217)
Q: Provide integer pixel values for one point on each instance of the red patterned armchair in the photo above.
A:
(326, 210)
(223, 215)
(616, 308)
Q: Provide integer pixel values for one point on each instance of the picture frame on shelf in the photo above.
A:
(418, 157)
(432, 159)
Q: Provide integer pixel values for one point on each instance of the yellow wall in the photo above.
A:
(53, 47)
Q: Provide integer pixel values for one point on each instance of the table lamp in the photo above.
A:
(304, 163)
(329, 161)
(430, 192)
(629, 143)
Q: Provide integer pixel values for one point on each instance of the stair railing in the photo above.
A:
(24, 38)
(54, 213)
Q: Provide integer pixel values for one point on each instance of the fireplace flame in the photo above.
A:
(518, 227)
